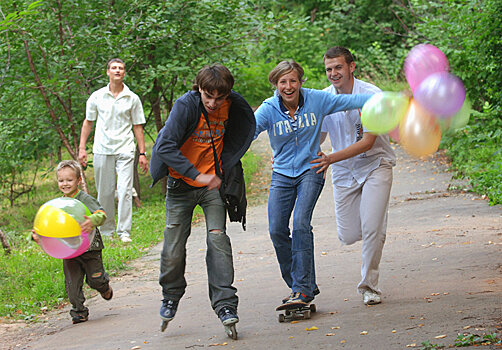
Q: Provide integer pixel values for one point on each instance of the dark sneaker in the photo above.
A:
(108, 294)
(316, 291)
(228, 315)
(168, 309)
(79, 319)
(299, 298)
(284, 300)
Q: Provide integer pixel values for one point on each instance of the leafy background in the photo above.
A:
(53, 55)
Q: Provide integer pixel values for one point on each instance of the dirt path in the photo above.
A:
(441, 275)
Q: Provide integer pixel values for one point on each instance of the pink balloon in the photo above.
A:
(422, 61)
(66, 248)
(441, 93)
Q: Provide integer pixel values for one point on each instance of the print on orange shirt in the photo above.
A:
(198, 149)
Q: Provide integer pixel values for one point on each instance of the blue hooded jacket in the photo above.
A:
(294, 149)
(180, 125)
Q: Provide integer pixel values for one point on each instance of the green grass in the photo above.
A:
(32, 282)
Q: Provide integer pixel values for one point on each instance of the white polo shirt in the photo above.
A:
(114, 120)
(344, 130)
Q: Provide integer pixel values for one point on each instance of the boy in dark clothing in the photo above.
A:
(90, 263)
(211, 122)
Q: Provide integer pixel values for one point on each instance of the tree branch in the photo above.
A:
(48, 104)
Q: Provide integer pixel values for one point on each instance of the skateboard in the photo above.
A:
(295, 311)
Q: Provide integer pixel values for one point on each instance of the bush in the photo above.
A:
(476, 153)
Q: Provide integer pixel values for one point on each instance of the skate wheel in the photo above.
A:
(312, 308)
(282, 318)
(231, 331)
(306, 314)
(287, 312)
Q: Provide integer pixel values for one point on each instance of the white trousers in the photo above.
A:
(115, 172)
(361, 214)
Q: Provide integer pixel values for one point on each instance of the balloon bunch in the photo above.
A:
(438, 104)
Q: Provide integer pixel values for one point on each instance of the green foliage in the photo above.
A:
(470, 34)
(427, 345)
(10, 18)
(173, 41)
(303, 31)
(475, 340)
(253, 82)
(466, 339)
(476, 153)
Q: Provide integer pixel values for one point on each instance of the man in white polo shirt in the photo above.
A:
(119, 118)
(361, 172)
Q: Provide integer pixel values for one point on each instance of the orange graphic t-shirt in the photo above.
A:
(198, 149)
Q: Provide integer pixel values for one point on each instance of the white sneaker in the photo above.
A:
(371, 298)
(126, 239)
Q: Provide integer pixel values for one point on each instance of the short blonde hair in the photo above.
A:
(72, 164)
(285, 67)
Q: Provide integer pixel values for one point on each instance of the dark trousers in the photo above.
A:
(90, 266)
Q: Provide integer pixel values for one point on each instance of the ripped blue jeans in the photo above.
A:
(181, 201)
(294, 248)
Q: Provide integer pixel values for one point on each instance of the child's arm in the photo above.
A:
(91, 221)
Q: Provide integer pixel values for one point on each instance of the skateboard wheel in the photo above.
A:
(287, 312)
(306, 314)
(312, 308)
(282, 318)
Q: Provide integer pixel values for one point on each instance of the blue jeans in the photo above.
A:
(295, 252)
(180, 204)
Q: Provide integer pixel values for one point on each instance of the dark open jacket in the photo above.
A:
(181, 123)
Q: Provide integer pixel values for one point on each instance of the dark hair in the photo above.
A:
(214, 77)
(72, 164)
(285, 67)
(110, 61)
(337, 51)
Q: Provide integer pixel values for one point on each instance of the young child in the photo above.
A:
(90, 263)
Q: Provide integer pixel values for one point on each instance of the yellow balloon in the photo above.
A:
(419, 131)
(54, 222)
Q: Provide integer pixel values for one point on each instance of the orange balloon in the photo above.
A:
(419, 131)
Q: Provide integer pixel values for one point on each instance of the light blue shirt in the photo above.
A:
(344, 130)
(294, 148)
